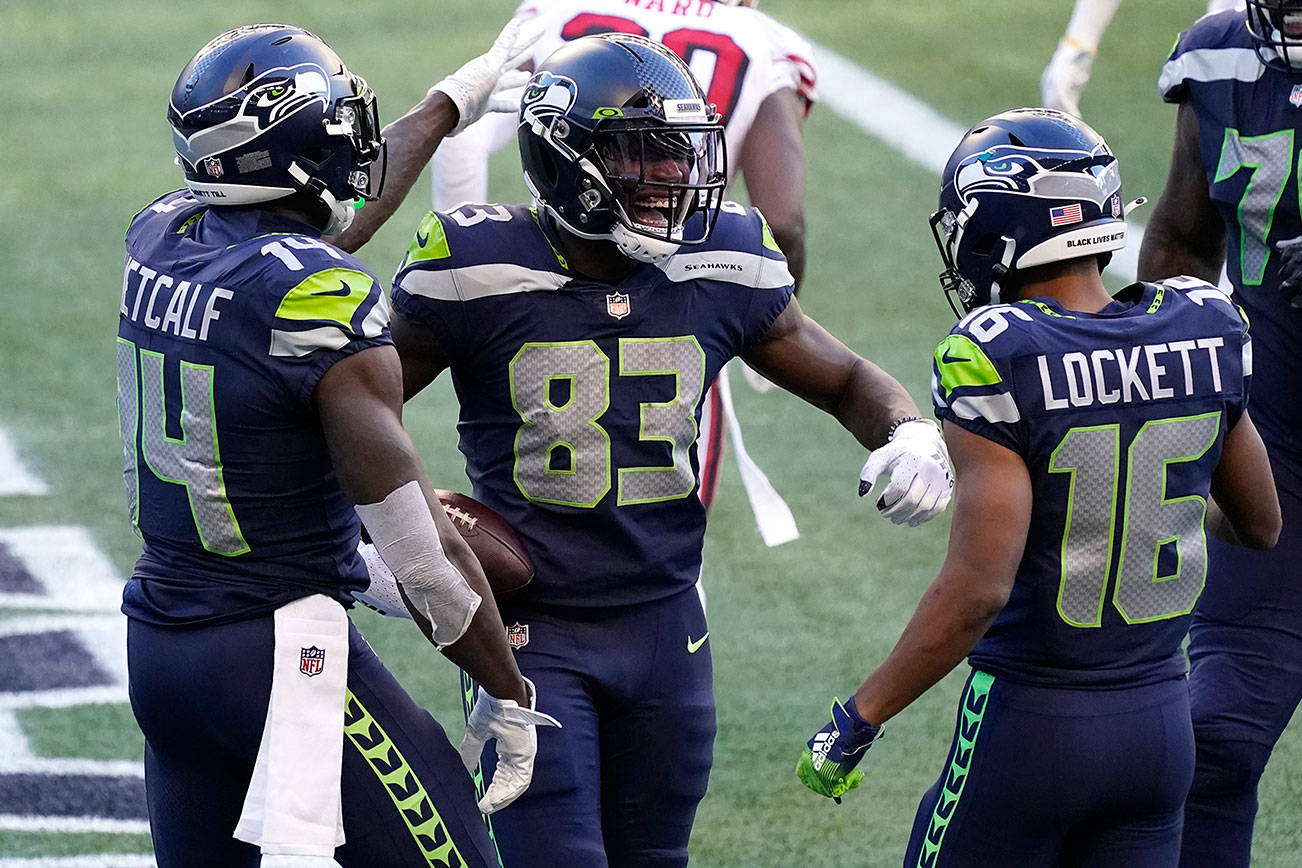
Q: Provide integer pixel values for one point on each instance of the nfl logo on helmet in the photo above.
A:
(213, 166)
(1295, 97)
(312, 661)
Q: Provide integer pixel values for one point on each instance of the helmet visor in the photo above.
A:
(661, 176)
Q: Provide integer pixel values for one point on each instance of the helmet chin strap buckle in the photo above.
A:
(1131, 206)
(341, 213)
(1002, 268)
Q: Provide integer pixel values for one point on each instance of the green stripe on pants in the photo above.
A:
(973, 709)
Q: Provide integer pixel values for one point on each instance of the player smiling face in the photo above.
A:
(648, 168)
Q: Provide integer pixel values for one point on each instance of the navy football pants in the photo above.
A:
(1042, 776)
(619, 785)
(200, 697)
(1245, 680)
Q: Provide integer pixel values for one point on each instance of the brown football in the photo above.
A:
(506, 564)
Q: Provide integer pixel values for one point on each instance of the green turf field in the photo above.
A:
(85, 145)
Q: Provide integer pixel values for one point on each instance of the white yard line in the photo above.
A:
(64, 697)
(40, 765)
(74, 573)
(108, 860)
(916, 130)
(105, 825)
(15, 478)
(14, 746)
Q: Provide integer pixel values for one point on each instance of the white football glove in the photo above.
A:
(284, 861)
(491, 82)
(517, 743)
(922, 479)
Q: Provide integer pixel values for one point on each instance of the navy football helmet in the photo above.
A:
(269, 110)
(1024, 188)
(1276, 29)
(618, 143)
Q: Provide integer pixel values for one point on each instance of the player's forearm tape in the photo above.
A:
(404, 533)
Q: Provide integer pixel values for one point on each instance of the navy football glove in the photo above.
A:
(827, 764)
(1290, 270)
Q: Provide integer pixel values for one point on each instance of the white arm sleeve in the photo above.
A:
(408, 542)
(459, 168)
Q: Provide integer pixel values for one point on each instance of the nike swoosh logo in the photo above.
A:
(949, 360)
(693, 647)
(421, 239)
(342, 292)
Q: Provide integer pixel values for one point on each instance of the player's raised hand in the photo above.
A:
(921, 477)
(1290, 270)
(517, 744)
(491, 81)
(827, 764)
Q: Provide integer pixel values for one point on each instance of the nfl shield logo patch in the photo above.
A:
(1116, 205)
(517, 636)
(1295, 97)
(213, 166)
(312, 661)
(617, 305)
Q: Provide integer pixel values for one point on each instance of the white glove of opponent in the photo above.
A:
(517, 743)
(491, 82)
(916, 460)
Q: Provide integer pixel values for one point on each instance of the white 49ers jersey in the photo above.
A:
(739, 55)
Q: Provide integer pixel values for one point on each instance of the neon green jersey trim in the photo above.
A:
(962, 363)
(430, 241)
(951, 790)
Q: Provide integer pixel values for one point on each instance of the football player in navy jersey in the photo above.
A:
(1088, 433)
(1237, 78)
(581, 334)
(260, 399)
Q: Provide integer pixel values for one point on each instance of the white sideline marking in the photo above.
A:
(64, 698)
(24, 823)
(15, 478)
(68, 564)
(917, 131)
(40, 765)
(14, 746)
(103, 635)
(115, 860)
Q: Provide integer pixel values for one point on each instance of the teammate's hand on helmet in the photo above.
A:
(827, 764)
(921, 478)
(491, 82)
(1290, 270)
(517, 743)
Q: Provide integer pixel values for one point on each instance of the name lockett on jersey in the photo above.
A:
(1129, 374)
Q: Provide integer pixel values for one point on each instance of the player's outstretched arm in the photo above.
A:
(450, 106)
(772, 161)
(1243, 489)
(1186, 234)
(992, 511)
(802, 357)
(359, 401)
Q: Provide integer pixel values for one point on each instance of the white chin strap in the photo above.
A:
(341, 213)
(640, 247)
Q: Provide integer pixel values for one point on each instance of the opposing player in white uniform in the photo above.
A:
(761, 77)
(1064, 79)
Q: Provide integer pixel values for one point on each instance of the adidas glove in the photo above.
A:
(827, 764)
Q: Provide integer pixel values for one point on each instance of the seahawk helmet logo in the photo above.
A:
(1092, 176)
(546, 97)
(256, 107)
